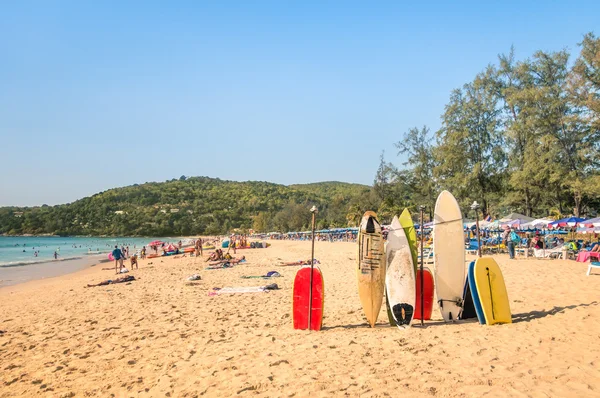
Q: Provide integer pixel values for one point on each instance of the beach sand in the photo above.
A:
(163, 336)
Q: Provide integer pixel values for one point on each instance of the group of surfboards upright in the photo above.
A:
(394, 269)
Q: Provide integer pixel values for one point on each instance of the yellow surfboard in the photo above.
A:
(492, 291)
(371, 266)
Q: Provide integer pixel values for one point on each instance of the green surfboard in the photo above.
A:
(411, 234)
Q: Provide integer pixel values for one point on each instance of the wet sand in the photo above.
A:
(164, 336)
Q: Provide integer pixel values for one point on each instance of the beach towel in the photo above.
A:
(300, 262)
(243, 289)
(270, 274)
(220, 266)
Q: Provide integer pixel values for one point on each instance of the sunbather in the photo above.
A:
(231, 261)
(122, 279)
(301, 262)
(216, 255)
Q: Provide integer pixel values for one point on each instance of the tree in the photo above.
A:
(417, 146)
(470, 160)
(261, 222)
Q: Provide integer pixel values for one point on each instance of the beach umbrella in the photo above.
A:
(516, 216)
(592, 222)
(566, 222)
(156, 243)
(537, 223)
(491, 226)
(585, 230)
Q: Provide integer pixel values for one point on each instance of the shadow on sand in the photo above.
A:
(528, 316)
(415, 324)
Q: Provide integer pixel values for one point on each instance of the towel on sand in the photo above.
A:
(243, 289)
(270, 274)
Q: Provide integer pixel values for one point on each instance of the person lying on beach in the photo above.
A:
(122, 279)
(231, 261)
(301, 262)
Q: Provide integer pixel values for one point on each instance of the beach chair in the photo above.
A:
(472, 247)
(427, 258)
(593, 264)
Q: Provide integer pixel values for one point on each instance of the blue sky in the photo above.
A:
(95, 95)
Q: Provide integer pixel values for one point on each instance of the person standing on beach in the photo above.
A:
(199, 247)
(508, 242)
(118, 256)
(55, 255)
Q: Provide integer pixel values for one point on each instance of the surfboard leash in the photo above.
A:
(491, 296)
(434, 224)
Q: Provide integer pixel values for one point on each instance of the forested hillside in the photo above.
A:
(187, 206)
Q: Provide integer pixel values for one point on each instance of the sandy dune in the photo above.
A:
(163, 336)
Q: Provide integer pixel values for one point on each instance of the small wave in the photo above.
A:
(32, 262)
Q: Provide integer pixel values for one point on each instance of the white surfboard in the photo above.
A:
(448, 255)
(400, 276)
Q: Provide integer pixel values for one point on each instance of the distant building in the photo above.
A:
(119, 212)
(190, 211)
(163, 211)
(18, 213)
(174, 210)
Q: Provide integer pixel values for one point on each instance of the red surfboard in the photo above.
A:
(428, 294)
(301, 293)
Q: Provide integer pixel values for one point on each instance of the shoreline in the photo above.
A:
(20, 274)
(19, 271)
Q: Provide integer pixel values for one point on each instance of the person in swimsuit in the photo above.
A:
(122, 279)
(118, 256)
(134, 261)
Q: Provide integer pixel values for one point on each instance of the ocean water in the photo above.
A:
(20, 263)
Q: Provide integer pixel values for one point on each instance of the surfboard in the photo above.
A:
(411, 234)
(394, 238)
(448, 255)
(400, 276)
(492, 291)
(300, 299)
(469, 311)
(474, 294)
(427, 296)
(371, 266)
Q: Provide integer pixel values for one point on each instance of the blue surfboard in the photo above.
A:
(474, 293)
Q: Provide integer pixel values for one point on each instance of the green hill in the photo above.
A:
(188, 206)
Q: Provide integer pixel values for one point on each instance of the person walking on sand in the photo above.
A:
(118, 256)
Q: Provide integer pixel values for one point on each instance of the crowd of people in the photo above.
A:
(347, 236)
(542, 245)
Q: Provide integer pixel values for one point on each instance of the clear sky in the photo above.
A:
(100, 94)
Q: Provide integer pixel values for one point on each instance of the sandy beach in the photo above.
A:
(164, 336)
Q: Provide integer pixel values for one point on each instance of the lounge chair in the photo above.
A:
(593, 264)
